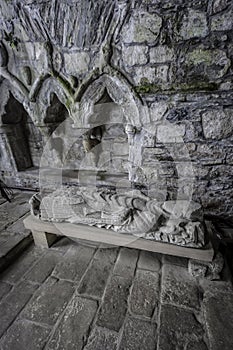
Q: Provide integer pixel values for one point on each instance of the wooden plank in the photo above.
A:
(119, 239)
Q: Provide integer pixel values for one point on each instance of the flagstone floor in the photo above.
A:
(97, 297)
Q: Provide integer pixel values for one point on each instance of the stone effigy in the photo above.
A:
(174, 222)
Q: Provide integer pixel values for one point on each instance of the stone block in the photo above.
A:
(149, 261)
(142, 27)
(219, 320)
(102, 339)
(138, 335)
(145, 293)
(214, 63)
(222, 21)
(14, 302)
(76, 62)
(170, 133)
(43, 268)
(114, 307)
(72, 331)
(120, 149)
(134, 55)
(74, 263)
(179, 329)
(162, 74)
(217, 124)
(49, 301)
(22, 265)
(96, 277)
(209, 270)
(24, 334)
(179, 288)
(144, 74)
(194, 24)
(161, 54)
(4, 289)
(126, 263)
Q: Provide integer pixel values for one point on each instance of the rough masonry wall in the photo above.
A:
(176, 58)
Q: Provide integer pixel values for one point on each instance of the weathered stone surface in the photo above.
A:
(135, 55)
(161, 54)
(76, 62)
(102, 339)
(142, 27)
(74, 264)
(16, 271)
(72, 330)
(149, 261)
(222, 21)
(217, 124)
(179, 288)
(194, 24)
(215, 63)
(14, 303)
(44, 307)
(4, 289)
(209, 270)
(144, 74)
(179, 328)
(43, 268)
(114, 307)
(170, 133)
(25, 335)
(138, 335)
(97, 274)
(145, 293)
(218, 309)
(126, 263)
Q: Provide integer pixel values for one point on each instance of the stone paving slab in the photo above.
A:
(18, 335)
(74, 263)
(14, 238)
(95, 279)
(102, 339)
(72, 330)
(144, 296)
(49, 301)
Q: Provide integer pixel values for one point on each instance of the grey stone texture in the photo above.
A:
(49, 302)
(179, 328)
(138, 335)
(114, 307)
(179, 288)
(102, 339)
(145, 293)
(74, 263)
(24, 334)
(143, 301)
(176, 56)
(149, 261)
(96, 276)
(74, 325)
(14, 302)
(215, 306)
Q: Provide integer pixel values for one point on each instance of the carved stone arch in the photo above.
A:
(50, 86)
(6, 93)
(120, 93)
(19, 136)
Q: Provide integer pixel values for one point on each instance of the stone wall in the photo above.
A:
(167, 64)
